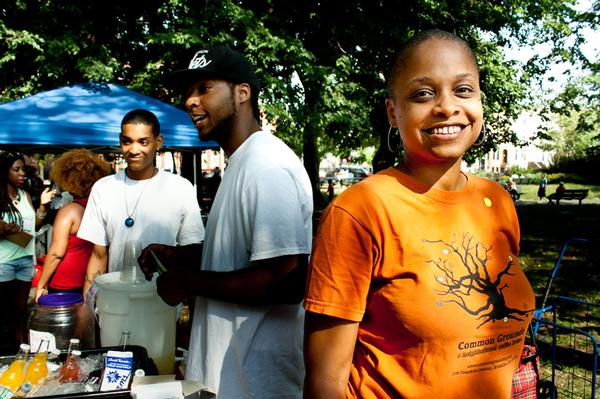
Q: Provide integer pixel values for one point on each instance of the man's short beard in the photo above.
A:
(225, 125)
(223, 128)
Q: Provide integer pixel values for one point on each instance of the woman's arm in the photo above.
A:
(8, 228)
(45, 198)
(61, 230)
(328, 350)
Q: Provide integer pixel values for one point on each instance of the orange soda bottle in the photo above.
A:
(70, 372)
(14, 376)
(38, 369)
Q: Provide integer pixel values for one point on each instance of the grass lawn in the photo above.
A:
(530, 190)
(544, 228)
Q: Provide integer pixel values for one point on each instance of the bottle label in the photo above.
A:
(5, 393)
(117, 371)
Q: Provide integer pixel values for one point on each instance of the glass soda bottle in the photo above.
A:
(66, 373)
(125, 335)
(13, 377)
(38, 368)
(70, 372)
(73, 344)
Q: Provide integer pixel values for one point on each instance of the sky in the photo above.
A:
(527, 123)
(591, 50)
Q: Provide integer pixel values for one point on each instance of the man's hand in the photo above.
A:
(160, 258)
(155, 256)
(170, 286)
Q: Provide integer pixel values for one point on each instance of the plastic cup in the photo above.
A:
(132, 273)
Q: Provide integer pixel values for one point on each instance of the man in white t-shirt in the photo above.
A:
(246, 339)
(140, 203)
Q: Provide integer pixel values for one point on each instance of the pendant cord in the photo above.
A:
(129, 216)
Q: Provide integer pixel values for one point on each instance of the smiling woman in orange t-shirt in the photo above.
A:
(415, 288)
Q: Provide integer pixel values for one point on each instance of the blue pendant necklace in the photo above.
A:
(129, 221)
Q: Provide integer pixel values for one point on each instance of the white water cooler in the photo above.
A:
(138, 308)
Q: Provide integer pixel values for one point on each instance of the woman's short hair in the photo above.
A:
(400, 56)
(76, 171)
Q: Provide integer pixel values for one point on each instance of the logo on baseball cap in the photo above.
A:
(219, 62)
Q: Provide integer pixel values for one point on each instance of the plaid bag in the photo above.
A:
(526, 378)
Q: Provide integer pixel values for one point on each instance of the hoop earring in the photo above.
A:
(389, 144)
(481, 138)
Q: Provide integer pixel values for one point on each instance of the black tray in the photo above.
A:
(140, 361)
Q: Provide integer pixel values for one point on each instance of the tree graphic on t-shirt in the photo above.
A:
(459, 283)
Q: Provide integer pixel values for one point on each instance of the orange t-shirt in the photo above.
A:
(434, 280)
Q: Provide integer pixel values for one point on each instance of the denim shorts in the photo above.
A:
(20, 269)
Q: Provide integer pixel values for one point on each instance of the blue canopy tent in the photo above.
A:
(88, 115)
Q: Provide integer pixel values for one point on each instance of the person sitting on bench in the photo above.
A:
(512, 188)
(558, 194)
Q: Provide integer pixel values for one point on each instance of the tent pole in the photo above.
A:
(195, 172)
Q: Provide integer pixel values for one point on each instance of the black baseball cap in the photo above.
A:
(219, 62)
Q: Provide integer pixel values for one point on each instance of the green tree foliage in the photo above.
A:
(322, 64)
(573, 131)
(568, 140)
(577, 108)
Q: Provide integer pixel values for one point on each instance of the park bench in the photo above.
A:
(569, 195)
(325, 180)
(515, 194)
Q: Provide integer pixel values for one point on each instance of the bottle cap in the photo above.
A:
(74, 340)
(26, 386)
(139, 373)
(55, 352)
(76, 352)
(24, 347)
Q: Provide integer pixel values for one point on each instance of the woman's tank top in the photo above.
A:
(70, 273)
(9, 250)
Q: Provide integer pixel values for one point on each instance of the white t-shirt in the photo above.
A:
(262, 209)
(164, 208)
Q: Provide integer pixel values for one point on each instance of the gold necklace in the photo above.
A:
(16, 199)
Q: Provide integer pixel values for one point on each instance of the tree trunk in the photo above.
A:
(312, 100)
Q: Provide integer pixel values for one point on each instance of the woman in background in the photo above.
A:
(541, 193)
(75, 171)
(18, 221)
